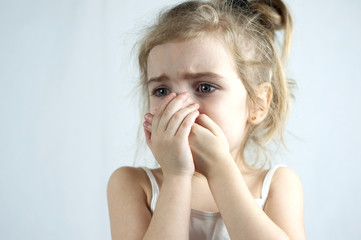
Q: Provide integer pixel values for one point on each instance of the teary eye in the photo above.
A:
(160, 92)
(206, 88)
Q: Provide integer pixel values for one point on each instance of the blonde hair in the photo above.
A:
(248, 29)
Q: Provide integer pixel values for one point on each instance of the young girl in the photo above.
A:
(214, 86)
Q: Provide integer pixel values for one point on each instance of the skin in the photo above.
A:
(194, 129)
(225, 99)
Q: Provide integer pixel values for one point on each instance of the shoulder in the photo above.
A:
(285, 178)
(126, 172)
(285, 202)
(126, 179)
(127, 202)
(125, 175)
(286, 185)
(127, 183)
(132, 181)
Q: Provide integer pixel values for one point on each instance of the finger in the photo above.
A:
(147, 126)
(178, 118)
(159, 110)
(185, 128)
(148, 134)
(198, 129)
(175, 105)
(206, 122)
(149, 117)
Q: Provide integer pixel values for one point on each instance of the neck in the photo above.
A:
(241, 163)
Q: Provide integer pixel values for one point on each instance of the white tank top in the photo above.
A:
(209, 225)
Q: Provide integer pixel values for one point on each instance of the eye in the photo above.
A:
(160, 92)
(206, 88)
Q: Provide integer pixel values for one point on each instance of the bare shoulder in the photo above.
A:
(285, 203)
(125, 176)
(286, 185)
(285, 177)
(127, 202)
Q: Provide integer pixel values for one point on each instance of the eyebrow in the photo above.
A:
(192, 76)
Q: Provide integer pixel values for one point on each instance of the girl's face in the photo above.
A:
(204, 68)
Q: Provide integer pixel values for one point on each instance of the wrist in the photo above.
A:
(221, 168)
(176, 178)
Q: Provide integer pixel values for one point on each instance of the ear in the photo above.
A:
(259, 109)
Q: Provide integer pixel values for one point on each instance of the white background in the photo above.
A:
(68, 113)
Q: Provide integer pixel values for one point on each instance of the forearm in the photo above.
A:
(243, 217)
(171, 216)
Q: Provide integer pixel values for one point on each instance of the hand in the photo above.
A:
(167, 134)
(208, 144)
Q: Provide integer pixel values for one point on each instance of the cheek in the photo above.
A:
(233, 127)
(234, 131)
(232, 119)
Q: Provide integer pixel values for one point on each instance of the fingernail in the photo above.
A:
(196, 105)
(146, 124)
(186, 94)
(172, 95)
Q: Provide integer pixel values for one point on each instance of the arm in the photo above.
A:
(128, 212)
(167, 137)
(172, 213)
(283, 215)
(130, 217)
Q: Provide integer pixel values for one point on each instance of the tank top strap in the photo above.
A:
(267, 181)
(155, 189)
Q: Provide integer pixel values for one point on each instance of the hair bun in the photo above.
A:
(273, 13)
(239, 4)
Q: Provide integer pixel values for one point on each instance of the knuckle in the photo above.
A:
(196, 127)
(177, 115)
(191, 107)
(167, 112)
(188, 121)
(201, 116)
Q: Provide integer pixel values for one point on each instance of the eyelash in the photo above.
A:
(154, 92)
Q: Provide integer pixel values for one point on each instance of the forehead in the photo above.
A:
(205, 53)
